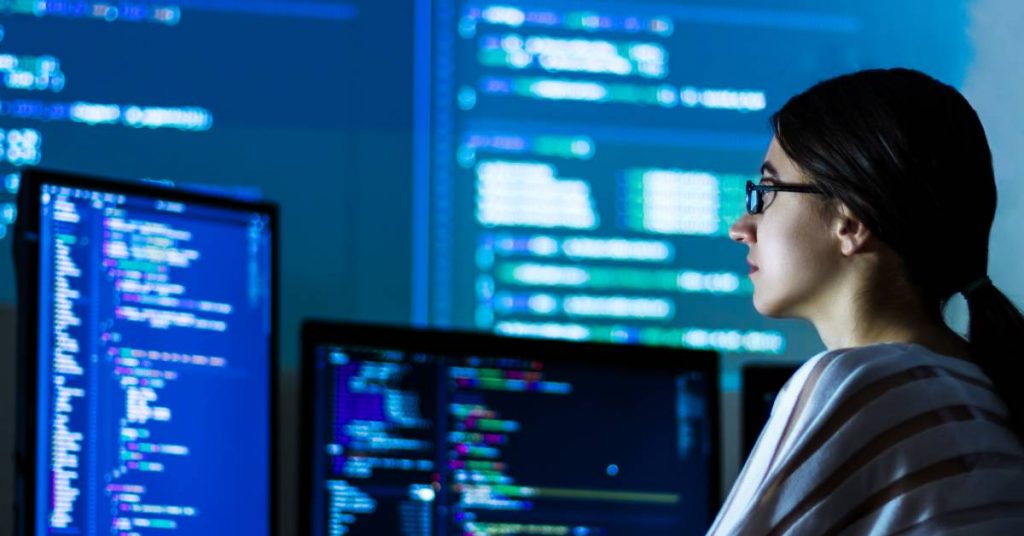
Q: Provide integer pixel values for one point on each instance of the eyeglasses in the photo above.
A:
(756, 198)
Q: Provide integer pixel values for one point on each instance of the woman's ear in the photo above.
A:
(852, 234)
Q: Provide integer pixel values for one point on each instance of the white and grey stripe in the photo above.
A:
(882, 439)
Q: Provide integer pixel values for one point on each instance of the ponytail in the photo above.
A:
(994, 328)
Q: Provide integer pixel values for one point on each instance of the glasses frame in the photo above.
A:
(755, 193)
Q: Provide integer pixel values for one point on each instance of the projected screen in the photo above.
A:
(428, 433)
(152, 374)
(223, 92)
(635, 121)
(581, 163)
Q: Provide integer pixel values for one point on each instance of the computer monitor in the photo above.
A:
(415, 432)
(762, 383)
(146, 359)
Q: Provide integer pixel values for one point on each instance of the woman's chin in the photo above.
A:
(767, 307)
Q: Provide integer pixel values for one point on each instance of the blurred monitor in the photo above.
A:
(761, 386)
(146, 351)
(427, 432)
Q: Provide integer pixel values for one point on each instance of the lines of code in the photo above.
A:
(153, 367)
(428, 444)
(586, 163)
(166, 90)
(377, 432)
(33, 82)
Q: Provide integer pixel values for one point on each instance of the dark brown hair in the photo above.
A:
(908, 156)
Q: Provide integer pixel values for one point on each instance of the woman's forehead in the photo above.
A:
(778, 164)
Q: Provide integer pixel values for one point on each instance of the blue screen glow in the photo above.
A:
(153, 366)
(431, 443)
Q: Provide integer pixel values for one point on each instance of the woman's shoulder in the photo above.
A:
(850, 369)
(843, 398)
(866, 384)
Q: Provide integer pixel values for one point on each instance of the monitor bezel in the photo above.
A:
(316, 333)
(27, 264)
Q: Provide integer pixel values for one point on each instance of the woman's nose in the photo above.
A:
(744, 230)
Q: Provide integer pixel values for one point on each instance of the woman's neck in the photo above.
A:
(856, 320)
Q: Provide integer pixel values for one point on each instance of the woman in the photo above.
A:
(874, 208)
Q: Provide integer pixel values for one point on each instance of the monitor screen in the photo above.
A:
(762, 384)
(429, 433)
(148, 319)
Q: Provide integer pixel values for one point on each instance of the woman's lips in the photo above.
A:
(753, 267)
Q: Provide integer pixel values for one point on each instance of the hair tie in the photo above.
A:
(975, 284)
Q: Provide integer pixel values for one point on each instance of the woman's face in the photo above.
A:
(793, 254)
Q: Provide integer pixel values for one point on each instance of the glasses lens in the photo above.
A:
(753, 199)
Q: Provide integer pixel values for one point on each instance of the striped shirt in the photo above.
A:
(882, 439)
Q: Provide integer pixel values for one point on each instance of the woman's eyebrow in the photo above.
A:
(768, 169)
